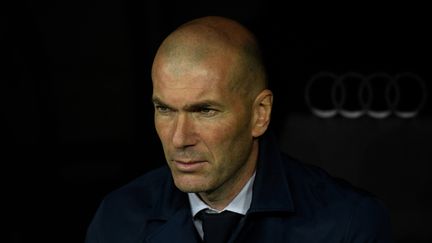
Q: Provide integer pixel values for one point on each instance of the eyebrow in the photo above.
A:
(190, 107)
(157, 101)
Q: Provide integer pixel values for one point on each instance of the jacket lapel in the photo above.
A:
(179, 228)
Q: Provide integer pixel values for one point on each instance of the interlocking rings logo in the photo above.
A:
(353, 95)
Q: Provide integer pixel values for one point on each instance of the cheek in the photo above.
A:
(217, 133)
(162, 129)
(223, 137)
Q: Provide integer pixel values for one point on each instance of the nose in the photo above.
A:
(183, 134)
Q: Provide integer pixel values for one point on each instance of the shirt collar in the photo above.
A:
(240, 204)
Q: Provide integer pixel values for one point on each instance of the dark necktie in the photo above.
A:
(218, 227)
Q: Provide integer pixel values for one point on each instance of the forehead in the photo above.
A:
(183, 84)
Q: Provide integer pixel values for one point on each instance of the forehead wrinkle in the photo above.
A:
(188, 105)
(193, 95)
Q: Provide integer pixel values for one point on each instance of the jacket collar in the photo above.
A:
(170, 200)
(178, 228)
(172, 217)
(271, 192)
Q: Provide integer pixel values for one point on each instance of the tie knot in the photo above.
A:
(203, 215)
(218, 227)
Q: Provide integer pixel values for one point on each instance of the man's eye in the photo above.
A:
(207, 111)
(162, 109)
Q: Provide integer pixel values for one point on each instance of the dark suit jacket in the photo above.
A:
(291, 202)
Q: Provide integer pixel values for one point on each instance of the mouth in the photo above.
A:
(189, 166)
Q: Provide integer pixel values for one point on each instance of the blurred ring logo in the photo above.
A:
(354, 95)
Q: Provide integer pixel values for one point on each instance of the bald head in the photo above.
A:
(211, 106)
(220, 43)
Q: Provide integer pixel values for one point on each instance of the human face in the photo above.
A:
(205, 127)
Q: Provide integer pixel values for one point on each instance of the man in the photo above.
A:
(212, 110)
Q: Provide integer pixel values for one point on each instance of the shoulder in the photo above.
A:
(313, 178)
(135, 199)
(357, 214)
(124, 212)
(143, 190)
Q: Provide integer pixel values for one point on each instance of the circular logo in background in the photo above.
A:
(354, 95)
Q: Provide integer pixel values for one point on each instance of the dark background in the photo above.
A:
(77, 115)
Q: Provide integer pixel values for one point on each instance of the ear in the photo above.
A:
(261, 112)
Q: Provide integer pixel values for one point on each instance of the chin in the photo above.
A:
(190, 185)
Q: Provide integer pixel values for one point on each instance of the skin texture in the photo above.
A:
(211, 105)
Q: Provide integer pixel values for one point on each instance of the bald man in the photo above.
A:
(212, 112)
